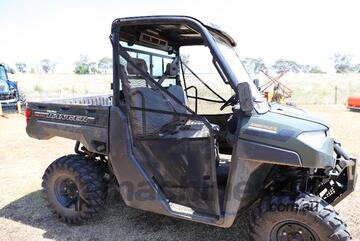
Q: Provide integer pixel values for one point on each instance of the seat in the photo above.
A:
(178, 92)
(151, 122)
(160, 103)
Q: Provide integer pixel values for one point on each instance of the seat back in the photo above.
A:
(178, 92)
(156, 110)
(154, 106)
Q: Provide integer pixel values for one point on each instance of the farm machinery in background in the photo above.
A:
(10, 95)
(275, 91)
(353, 102)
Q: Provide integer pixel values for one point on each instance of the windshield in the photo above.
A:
(241, 75)
(2, 73)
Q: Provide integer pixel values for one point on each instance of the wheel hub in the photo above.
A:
(66, 192)
(292, 232)
(69, 189)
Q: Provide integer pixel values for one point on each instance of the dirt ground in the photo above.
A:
(23, 215)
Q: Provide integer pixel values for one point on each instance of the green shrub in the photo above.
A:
(38, 88)
(81, 69)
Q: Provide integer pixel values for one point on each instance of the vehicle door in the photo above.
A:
(173, 144)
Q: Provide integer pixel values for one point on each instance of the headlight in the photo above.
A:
(315, 139)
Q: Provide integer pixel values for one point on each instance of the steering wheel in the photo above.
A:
(231, 101)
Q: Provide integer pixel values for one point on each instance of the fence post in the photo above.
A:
(19, 107)
(336, 90)
(1, 110)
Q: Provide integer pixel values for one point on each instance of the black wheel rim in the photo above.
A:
(67, 193)
(293, 231)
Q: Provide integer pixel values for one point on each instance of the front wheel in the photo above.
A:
(299, 218)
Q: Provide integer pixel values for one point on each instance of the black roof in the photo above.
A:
(166, 31)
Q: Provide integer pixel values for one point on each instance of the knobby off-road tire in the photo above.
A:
(74, 188)
(303, 217)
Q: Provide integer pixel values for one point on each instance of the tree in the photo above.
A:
(254, 66)
(356, 68)
(105, 64)
(47, 65)
(283, 65)
(306, 68)
(316, 70)
(32, 70)
(21, 67)
(82, 66)
(313, 69)
(93, 68)
(9, 69)
(185, 58)
(81, 69)
(342, 63)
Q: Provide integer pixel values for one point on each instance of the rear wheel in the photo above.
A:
(74, 188)
(298, 218)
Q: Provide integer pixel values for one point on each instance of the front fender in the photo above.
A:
(246, 179)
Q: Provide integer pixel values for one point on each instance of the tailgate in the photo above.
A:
(85, 123)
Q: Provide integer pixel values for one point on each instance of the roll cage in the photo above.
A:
(169, 33)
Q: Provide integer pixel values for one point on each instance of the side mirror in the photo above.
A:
(257, 83)
(245, 98)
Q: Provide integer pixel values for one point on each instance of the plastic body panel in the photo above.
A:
(81, 122)
(280, 130)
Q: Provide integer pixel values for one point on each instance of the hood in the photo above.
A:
(280, 127)
(6, 86)
(295, 112)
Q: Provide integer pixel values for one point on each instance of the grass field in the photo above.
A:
(307, 88)
(41, 86)
(23, 215)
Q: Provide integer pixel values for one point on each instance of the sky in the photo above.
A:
(308, 32)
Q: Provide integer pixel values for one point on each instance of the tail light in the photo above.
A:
(28, 113)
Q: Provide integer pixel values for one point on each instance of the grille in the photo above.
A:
(6, 97)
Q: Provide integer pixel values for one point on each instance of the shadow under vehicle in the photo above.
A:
(151, 139)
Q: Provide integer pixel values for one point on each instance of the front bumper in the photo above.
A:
(9, 102)
(342, 178)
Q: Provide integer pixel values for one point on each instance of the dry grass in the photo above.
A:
(23, 215)
(41, 86)
(320, 88)
(307, 88)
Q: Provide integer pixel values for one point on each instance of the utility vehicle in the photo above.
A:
(160, 139)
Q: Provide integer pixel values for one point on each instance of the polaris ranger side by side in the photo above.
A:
(155, 139)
